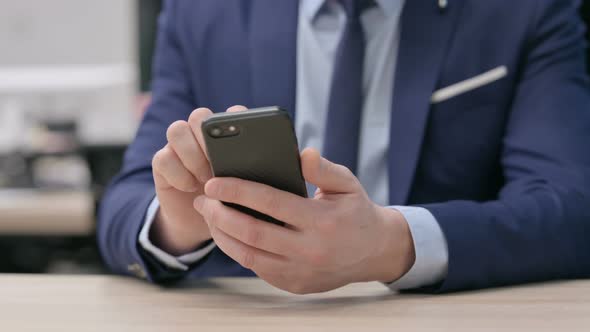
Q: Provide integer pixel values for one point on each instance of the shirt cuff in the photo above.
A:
(175, 262)
(430, 246)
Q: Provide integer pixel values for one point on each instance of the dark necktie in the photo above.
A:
(346, 94)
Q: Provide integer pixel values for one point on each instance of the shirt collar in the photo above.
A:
(311, 8)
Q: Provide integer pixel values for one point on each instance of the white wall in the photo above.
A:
(71, 38)
(67, 31)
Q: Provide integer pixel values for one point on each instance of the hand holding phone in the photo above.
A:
(338, 237)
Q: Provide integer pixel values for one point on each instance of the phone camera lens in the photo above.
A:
(215, 132)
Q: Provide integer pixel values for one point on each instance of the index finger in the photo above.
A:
(194, 120)
(281, 205)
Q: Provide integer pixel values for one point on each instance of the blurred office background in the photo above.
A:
(74, 80)
(72, 77)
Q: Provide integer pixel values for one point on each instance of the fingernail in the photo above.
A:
(198, 202)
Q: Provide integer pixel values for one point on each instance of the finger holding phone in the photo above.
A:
(180, 170)
(334, 239)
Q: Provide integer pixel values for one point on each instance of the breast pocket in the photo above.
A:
(467, 120)
(470, 84)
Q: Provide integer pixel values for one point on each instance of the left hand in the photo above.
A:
(338, 237)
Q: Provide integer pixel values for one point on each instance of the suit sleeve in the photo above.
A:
(538, 228)
(127, 199)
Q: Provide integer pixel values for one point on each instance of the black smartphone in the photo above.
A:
(258, 145)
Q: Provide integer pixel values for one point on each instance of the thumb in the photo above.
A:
(326, 175)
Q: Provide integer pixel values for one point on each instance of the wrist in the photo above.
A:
(177, 239)
(395, 255)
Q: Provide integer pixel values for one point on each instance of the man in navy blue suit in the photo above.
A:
(454, 137)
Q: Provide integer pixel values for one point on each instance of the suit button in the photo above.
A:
(137, 270)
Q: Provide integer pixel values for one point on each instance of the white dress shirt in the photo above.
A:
(319, 28)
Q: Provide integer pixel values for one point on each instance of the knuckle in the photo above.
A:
(236, 108)
(196, 117)
(177, 131)
(157, 160)
(160, 159)
(194, 120)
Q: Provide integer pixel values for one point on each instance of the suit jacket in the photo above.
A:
(504, 168)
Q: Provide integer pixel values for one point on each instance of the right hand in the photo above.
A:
(180, 171)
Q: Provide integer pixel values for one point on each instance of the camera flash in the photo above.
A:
(232, 128)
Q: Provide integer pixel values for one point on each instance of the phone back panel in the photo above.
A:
(265, 150)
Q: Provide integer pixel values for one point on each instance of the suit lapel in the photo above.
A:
(425, 36)
(273, 36)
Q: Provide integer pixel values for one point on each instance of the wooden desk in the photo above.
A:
(100, 303)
